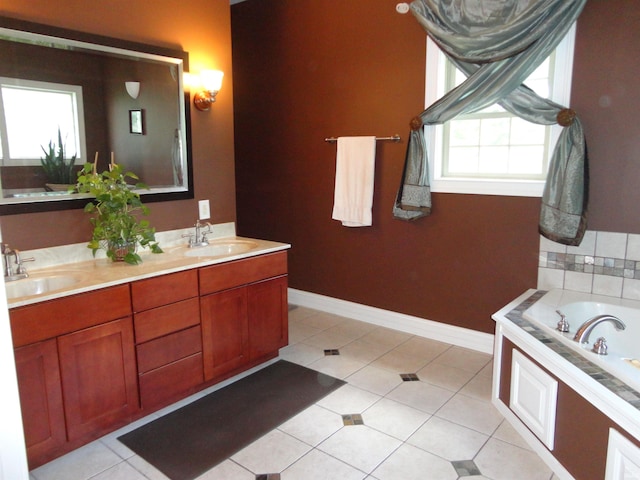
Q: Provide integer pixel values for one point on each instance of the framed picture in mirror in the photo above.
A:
(136, 122)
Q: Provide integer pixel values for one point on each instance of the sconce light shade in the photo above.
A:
(211, 81)
(133, 89)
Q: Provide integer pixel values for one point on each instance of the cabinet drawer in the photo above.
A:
(166, 383)
(154, 292)
(170, 348)
(241, 272)
(165, 320)
(40, 321)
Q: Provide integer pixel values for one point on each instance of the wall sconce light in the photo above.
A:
(210, 83)
(133, 89)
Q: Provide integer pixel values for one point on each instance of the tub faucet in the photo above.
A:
(582, 334)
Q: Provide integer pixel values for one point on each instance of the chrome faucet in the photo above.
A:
(200, 237)
(21, 271)
(582, 334)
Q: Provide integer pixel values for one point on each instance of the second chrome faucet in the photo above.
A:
(199, 239)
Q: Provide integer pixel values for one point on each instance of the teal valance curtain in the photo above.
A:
(497, 45)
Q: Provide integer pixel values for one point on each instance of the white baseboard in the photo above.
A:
(462, 337)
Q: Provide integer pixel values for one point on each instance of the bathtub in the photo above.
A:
(623, 354)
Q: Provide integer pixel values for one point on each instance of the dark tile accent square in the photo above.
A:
(268, 476)
(466, 468)
(330, 352)
(352, 419)
(409, 377)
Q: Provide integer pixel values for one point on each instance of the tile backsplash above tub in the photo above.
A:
(605, 263)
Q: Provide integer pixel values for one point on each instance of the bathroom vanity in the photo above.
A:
(132, 339)
(581, 418)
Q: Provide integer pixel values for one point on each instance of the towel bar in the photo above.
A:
(393, 138)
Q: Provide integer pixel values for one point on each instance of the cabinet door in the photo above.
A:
(268, 317)
(224, 331)
(99, 380)
(40, 400)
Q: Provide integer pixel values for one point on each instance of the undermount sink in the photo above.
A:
(222, 248)
(38, 284)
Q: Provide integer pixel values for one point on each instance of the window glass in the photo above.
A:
(493, 151)
(32, 114)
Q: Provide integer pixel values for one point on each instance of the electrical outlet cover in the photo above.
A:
(203, 210)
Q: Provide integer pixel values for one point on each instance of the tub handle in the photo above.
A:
(600, 346)
(563, 325)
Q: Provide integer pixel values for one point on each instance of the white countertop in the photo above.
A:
(102, 272)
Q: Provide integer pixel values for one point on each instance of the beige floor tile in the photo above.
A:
(411, 463)
(327, 339)
(507, 433)
(227, 470)
(499, 460)
(478, 387)
(317, 465)
(348, 399)
(423, 348)
(122, 471)
(146, 468)
(393, 418)
(297, 313)
(82, 463)
(298, 332)
(364, 351)
(386, 337)
(448, 440)
(374, 379)
(313, 425)
(421, 395)
(360, 446)
(271, 453)
(337, 366)
(445, 376)
(472, 413)
(352, 329)
(464, 359)
(323, 320)
(398, 362)
(301, 353)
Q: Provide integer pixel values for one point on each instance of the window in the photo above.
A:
(494, 152)
(30, 115)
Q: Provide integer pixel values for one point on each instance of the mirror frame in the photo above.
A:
(100, 40)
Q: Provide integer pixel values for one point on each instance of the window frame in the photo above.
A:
(434, 89)
(76, 90)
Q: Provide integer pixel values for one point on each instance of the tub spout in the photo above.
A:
(582, 335)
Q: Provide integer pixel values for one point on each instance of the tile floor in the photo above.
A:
(379, 426)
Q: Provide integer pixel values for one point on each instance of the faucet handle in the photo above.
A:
(21, 270)
(562, 326)
(600, 346)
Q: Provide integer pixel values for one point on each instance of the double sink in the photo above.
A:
(40, 283)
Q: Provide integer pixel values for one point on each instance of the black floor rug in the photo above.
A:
(187, 442)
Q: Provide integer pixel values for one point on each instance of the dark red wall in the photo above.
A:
(314, 69)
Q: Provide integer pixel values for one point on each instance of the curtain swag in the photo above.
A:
(497, 45)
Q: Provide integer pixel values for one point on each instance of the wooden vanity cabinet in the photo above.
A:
(41, 398)
(98, 371)
(76, 369)
(244, 313)
(168, 337)
(92, 362)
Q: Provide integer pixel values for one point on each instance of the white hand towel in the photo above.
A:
(355, 170)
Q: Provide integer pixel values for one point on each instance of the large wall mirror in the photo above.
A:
(98, 97)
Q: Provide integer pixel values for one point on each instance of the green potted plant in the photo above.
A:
(59, 171)
(117, 228)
